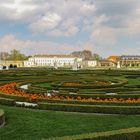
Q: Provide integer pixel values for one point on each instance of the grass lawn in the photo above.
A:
(47, 85)
(28, 124)
(133, 81)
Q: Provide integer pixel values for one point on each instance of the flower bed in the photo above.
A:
(10, 89)
(102, 82)
(71, 83)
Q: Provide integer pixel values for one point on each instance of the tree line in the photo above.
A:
(16, 55)
(86, 55)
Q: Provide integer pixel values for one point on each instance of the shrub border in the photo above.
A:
(121, 134)
(2, 118)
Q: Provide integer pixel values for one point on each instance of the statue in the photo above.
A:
(118, 65)
(55, 65)
(1, 66)
(75, 65)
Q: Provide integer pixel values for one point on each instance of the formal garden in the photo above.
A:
(41, 103)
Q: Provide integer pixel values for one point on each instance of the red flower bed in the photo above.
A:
(71, 83)
(103, 82)
(11, 89)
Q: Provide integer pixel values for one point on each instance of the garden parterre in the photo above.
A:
(66, 87)
(103, 91)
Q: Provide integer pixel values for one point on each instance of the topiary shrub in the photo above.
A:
(2, 118)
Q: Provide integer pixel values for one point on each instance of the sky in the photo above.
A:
(106, 27)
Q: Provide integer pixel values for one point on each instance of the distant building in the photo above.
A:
(13, 63)
(69, 61)
(113, 58)
(106, 63)
(7, 64)
(52, 61)
(129, 61)
(1, 66)
(89, 63)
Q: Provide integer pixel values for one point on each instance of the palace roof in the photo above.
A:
(113, 58)
(130, 57)
(58, 56)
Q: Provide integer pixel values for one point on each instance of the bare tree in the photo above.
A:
(85, 54)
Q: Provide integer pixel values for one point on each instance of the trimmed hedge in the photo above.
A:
(122, 134)
(19, 98)
(7, 101)
(93, 86)
(88, 103)
(101, 96)
(2, 118)
(120, 89)
(91, 108)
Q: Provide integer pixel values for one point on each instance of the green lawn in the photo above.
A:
(134, 81)
(1, 112)
(47, 85)
(28, 124)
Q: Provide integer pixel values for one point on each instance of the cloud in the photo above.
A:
(114, 19)
(17, 10)
(124, 16)
(70, 19)
(132, 51)
(101, 23)
(133, 23)
(102, 34)
(72, 30)
(67, 28)
(44, 16)
(46, 22)
(39, 16)
(9, 42)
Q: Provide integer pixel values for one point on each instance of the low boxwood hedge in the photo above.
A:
(88, 102)
(2, 118)
(120, 89)
(101, 96)
(91, 108)
(93, 86)
(7, 101)
(19, 98)
(122, 134)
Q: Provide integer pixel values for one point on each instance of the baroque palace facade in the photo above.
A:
(129, 61)
(124, 61)
(52, 61)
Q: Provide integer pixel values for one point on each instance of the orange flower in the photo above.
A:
(11, 89)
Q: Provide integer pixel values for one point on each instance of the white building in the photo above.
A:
(92, 63)
(89, 63)
(1, 66)
(129, 61)
(52, 61)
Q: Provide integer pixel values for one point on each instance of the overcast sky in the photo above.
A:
(106, 27)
